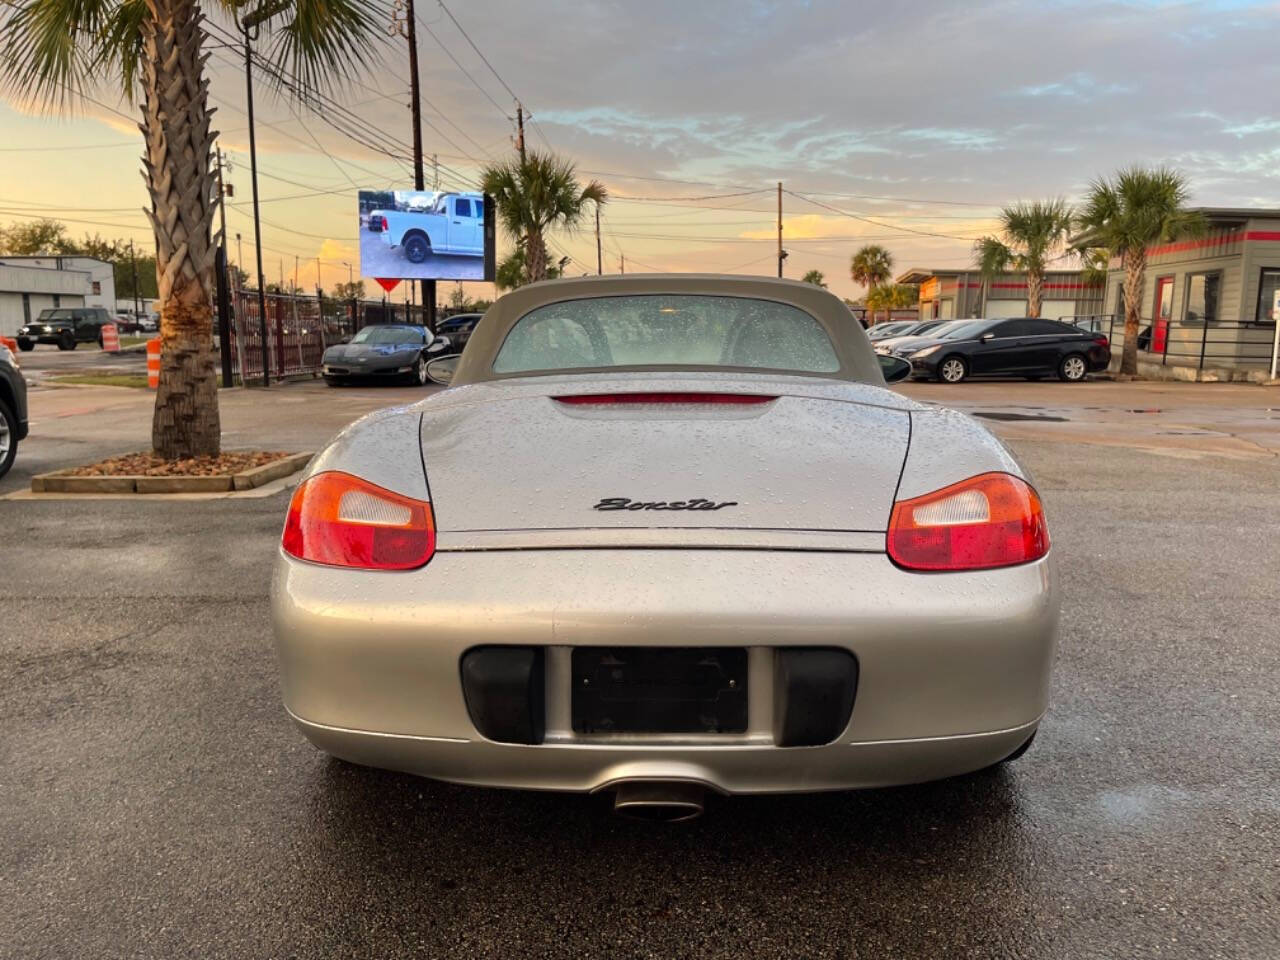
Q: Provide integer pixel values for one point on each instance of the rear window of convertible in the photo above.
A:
(659, 330)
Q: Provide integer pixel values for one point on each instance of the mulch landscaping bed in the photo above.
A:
(147, 473)
(150, 465)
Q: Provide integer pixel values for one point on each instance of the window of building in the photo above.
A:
(1203, 291)
(1268, 287)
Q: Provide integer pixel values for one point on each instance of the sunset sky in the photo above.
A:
(906, 124)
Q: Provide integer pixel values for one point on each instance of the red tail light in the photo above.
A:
(1101, 340)
(991, 520)
(342, 521)
(582, 399)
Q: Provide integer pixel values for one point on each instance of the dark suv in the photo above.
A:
(13, 409)
(66, 327)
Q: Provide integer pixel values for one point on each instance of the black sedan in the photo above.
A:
(395, 351)
(459, 327)
(1021, 347)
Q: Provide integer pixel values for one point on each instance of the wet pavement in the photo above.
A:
(1184, 420)
(157, 803)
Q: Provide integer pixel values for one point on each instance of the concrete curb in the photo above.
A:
(60, 482)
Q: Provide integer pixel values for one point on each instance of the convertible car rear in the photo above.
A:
(662, 534)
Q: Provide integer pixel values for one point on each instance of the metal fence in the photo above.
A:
(1223, 343)
(298, 328)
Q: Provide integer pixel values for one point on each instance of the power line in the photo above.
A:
(77, 146)
(94, 223)
(711, 196)
(464, 70)
(464, 33)
(889, 226)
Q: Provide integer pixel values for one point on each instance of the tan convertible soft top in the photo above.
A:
(858, 361)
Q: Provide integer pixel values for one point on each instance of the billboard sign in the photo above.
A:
(426, 235)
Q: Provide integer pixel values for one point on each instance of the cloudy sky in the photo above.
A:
(906, 123)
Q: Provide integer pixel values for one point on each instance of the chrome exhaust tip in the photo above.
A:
(662, 801)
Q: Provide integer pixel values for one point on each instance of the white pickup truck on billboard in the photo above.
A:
(454, 225)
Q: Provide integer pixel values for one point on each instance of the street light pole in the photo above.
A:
(245, 30)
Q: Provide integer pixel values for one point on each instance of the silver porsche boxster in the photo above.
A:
(666, 534)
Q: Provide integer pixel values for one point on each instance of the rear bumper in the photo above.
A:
(729, 769)
(953, 669)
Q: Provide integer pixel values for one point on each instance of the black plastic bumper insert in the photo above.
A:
(813, 691)
(505, 693)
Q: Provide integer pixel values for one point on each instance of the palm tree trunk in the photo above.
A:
(1135, 270)
(1035, 292)
(175, 126)
(535, 256)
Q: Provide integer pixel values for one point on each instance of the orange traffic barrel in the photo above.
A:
(153, 363)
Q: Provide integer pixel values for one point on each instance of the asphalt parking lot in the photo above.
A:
(156, 802)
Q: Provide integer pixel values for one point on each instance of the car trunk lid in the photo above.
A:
(734, 456)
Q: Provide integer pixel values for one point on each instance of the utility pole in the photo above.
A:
(240, 255)
(435, 172)
(599, 254)
(249, 30)
(409, 30)
(520, 130)
(222, 284)
(782, 254)
(318, 286)
(622, 263)
(137, 304)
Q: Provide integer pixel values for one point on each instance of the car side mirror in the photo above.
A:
(987, 337)
(439, 345)
(441, 369)
(893, 368)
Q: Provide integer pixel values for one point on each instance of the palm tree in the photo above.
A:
(535, 193)
(1031, 235)
(871, 267)
(1125, 215)
(153, 51)
(513, 269)
(892, 296)
(816, 278)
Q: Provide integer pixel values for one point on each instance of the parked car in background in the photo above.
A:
(13, 408)
(458, 328)
(455, 225)
(395, 351)
(916, 332)
(1022, 347)
(894, 329)
(66, 327)
(127, 322)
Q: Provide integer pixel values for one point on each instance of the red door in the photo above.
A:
(1164, 313)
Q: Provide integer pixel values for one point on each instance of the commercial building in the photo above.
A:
(1209, 302)
(101, 291)
(959, 294)
(25, 290)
